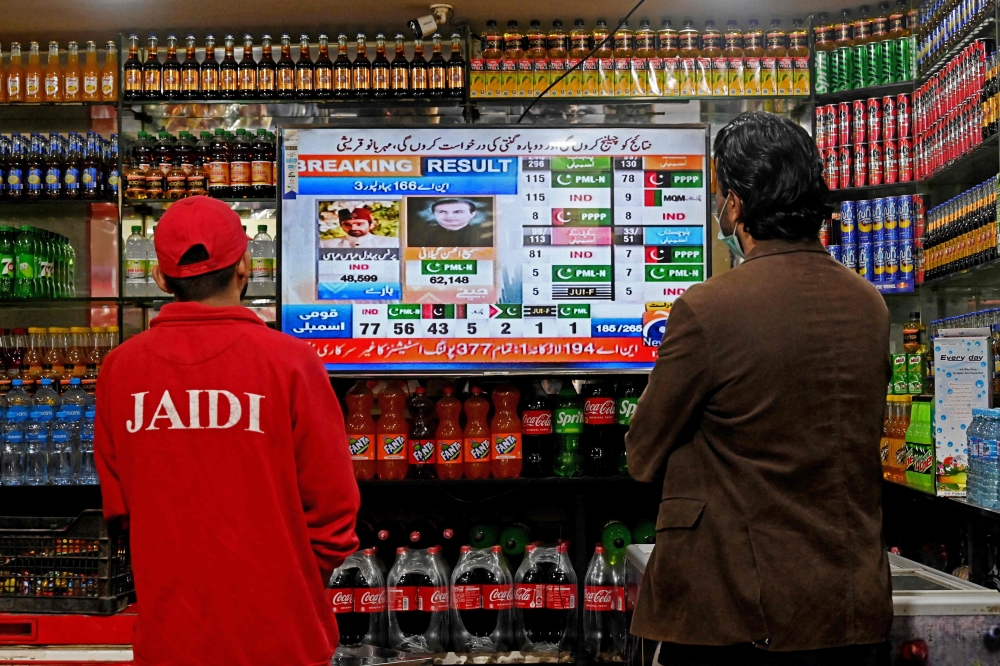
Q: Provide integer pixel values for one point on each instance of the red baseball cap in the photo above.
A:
(199, 221)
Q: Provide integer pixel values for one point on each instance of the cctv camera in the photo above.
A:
(428, 25)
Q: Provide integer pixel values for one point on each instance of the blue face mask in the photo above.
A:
(730, 241)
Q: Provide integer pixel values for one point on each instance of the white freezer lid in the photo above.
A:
(917, 589)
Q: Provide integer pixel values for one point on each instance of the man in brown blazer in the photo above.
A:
(762, 420)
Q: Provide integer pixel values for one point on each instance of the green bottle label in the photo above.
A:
(8, 270)
(25, 266)
(626, 408)
(135, 271)
(567, 420)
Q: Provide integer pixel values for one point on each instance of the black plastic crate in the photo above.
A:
(64, 565)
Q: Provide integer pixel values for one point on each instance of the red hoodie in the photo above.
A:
(221, 441)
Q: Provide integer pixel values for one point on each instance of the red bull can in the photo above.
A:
(863, 211)
(858, 121)
(860, 164)
(820, 129)
(824, 233)
(891, 220)
(874, 113)
(831, 169)
(866, 267)
(904, 155)
(903, 113)
(844, 123)
(878, 262)
(848, 223)
(891, 261)
(890, 164)
(844, 165)
(888, 117)
(874, 162)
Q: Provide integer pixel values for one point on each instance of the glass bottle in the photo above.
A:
(248, 70)
(172, 71)
(53, 75)
(380, 69)
(3, 98)
(72, 74)
(304, 70)
(266, 68)
(361, 70)
(190, 70)
(33, 76)
(229, 76)
(437, 69)
(209, 71)
(152, 72)
(418, 70)
(53, 167)
(456, 68)
(323, 70)
(91, 75)
(109, 75)
(342, 85)
(285, 70)
(400, 70)
(15, 75)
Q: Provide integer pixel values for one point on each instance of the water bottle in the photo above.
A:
(87, 474)
(19, 403)
(989, 456)
(974, 479)
(46, 399)
(151, 289)
(75, 400)
(36, 436)
(136, 264)
(61, 459)
(262, 263)
(12, 453)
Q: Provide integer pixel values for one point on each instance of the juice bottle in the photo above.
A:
(132, 88)
(53, 75)
(361, 69)
(360, 429)
(798, 52)
(557, 45)
(823, 46)
(34, 354)
(604, 59)
(75, 359)
(887, 424)
(582, 81)
(209, 83)
(492, 61)
(512, 54)
(172, 87)
(240, 164)
(712, 63)
(266, 69)
(448, 436)
(505, 430)
(304, 68)
(669, 48)
(190, 70)
(390, 433)
(437, 69)
(420, 444)
(248, 70)
(687, 59)
(538, 53)
(769, 63)
(72, 74)
(15, 75)
(897, 440)
(3, 98)
(218, 166)
(753, 51)
(645, 63)
(109, 75)
(399, 71)
(33, 76)
(91, 75)
(524, 79)
(477, 436)
(152, 72)
(622, 52)
(733, 52)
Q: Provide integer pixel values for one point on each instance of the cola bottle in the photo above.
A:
(412, 621)
(531, 616)
(357, 594)
(418, 601)
(423, 533)
(604, 609)
(482, 601)
(599, 431)
(560, 600)
(389, 536)
(536, 433)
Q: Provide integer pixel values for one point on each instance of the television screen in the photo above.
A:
(479, 249)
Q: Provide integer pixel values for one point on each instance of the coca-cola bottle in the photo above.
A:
(599, 432)
(482, 602)
(357, 593)
(604, 609)
(531, 618)
(423, 533)
(418, 602)
(560, 601)
(389, 536)
(536, 433)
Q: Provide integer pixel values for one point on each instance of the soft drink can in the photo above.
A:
(878, 262)
(831, 169)
(866, 268)
(905, 272)
(834, 251)
(891, 260)
(858, 121)
(844, 123)
(903, 113)
(844, 165)
(890, 168)
(902, 61)
(849, 256)
(889, 117)
(830, 119)
(822, 66)
(848, 223)
(874, 112)
(824, 233)
(875, 65)
(904, 217)
(878, 220)
(904, 154)
(874, 162)
(891, 220)
(862, 68)
(860, 164)
(820, 129)
(863, 210)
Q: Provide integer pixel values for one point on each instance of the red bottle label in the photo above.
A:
(449, 451)
(599, 411)
(529, 595)
(497, 597)
(560, 597)
(369, 600)
(239, 173)
(507, 446)
(536, 422)
(598, 598)
(260, 173)
(403, 598)
(361, 446)
(341, 599)
(467, 597)
(421, 451)
(477, 448)
(433, 599)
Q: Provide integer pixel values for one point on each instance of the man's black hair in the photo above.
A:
(442, 202)
(774, 167)
(200, 287)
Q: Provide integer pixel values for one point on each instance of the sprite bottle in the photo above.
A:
(24, 259)
(8, 269)
(628, 399)
(568, 426)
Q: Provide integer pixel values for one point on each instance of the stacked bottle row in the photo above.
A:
(644, 63)
(73, 83)
(420, 438)
(989, 98)
(948, 110)
(945, 22)
(962, 232)
(875, 238)
(60, 167)
(238, 165)
(57, 353)
(907, 442)
(47, 438)
(866, 142)
(873, 49)
(982, 484)
(260, 77)
(36, 263)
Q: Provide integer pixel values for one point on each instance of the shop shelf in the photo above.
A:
(15, 105)
(970, 169)
(54, 202)
(157, 302)
(242, 204)
(872, 191)
(576, 482)
(983, 275)
(592, 101)
(865, 93)
(78, 301)
(982, 29)
(960, 504)
(896, 288)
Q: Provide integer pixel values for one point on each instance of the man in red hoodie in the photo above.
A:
(221, 442)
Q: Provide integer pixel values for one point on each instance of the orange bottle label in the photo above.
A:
(477, 448)
(171, 80)
(248, 79)
(324, 79)
(218, 173)
(507, 446)
(380, 79)
(449, 451)
(265, 79)
(260, 173)
(304, 79)
(362, 447)
(14, 86)
(391, 446)
(209, 80)
(189, 80)
(151, 81)
(239, 173)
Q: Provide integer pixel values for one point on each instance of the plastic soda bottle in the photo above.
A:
(420, 446)
(505, 430)
(920, 445)
(890, 404)
(360, 428)
(567, 422)
(391, 432)
(477, 436)
(448, 436)
(897, 441)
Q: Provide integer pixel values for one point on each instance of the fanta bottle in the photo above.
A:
(449, 436)
(505, 430)
(477, 436)
(420, 447)
(360, 427)
(391, 434)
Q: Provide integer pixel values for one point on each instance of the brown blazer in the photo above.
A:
(763, 416)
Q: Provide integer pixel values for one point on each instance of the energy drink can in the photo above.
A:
(862, 68)
(874, 162)
(863, 211)
(906, 260)
(834, 251)
(824, 233)
(890, 163)
(848, 223)
(876, 65)
(874, 111)
(889, 117)
(831, 169)
(820, 129)
(849, 256)
(830, 117)
(903, 112)
(891, 261)
(905, 157)
(866, 263)
(860, 164)
(891, 220)
(904, 217)
(822, 65)
(878, 220)
(844, 123)
(878, 262)
(858, 121)
(844, 166)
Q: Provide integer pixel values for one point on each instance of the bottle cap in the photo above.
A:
(75, 381)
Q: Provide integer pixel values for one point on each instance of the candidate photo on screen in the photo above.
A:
(358, 224)
(449, 221)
